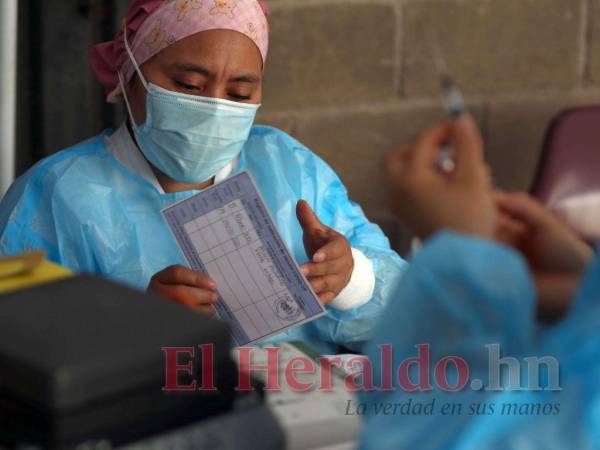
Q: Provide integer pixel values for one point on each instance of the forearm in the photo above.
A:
(461, 288)
(458, 296)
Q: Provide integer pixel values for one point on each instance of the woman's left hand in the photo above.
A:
(557, 257)
(331, 263)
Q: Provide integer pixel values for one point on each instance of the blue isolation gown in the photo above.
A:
(93, 215)
(459, 295)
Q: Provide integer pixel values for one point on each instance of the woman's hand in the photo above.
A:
(427, 199)
(557, 257)
(332, 262)
(185, 286)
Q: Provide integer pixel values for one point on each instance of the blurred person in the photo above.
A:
(487, 270)
(190, 75)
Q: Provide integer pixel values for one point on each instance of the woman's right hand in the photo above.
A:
(427, 199)
(187, 287)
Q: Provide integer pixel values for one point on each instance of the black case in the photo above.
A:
(82, 359)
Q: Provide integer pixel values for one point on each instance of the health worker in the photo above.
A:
(479, 368)
(190, 74)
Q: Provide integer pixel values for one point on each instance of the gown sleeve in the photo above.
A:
(33, 216)
(26, 218)
(459, 295)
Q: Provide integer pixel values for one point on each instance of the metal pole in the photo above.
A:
(8, 91)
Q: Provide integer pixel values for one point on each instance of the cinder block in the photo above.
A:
(354, 144)
(329, 54)
(283, 122)
(494, 46)
(516, 130)
(594, 42)
(400, 237)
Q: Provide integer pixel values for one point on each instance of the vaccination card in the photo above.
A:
(227, 233)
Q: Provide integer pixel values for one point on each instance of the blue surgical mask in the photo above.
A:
(187, 137)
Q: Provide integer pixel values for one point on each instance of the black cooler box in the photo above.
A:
(81, 361)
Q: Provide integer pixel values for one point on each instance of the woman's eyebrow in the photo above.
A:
(247, 78)
(192, 67)
(250, 78)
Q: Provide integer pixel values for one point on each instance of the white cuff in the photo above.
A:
(359, 289)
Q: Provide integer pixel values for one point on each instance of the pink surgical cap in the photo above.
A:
(153, 25)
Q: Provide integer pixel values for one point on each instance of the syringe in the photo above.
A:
(453, 98)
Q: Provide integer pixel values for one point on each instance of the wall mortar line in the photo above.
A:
(584, 43)
(399, 49)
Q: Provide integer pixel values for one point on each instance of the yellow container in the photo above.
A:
(29, 269)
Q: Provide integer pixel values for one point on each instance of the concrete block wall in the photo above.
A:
(353, 79)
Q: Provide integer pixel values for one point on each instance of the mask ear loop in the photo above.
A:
(122, 84)
(132, 58)
(128, 106)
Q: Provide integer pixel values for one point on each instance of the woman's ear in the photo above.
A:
(136, 93)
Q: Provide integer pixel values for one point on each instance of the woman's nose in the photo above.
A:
(215, 90)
